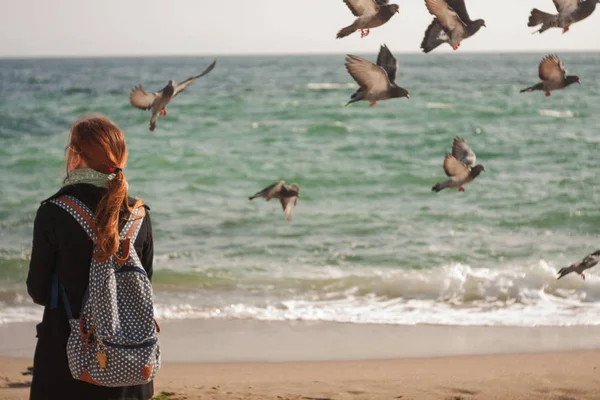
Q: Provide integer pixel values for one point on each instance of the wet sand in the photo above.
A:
(260, 360)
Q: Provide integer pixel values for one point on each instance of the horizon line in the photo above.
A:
(446, 52)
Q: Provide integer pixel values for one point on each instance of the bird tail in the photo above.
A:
(440, 186)
(538, 17)
(432, 39)
(539, 86)
(350, 29)
(564, 271)
(356, 96)
(252, 197)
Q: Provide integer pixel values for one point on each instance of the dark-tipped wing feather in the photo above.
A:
(387, 61)
(183, 84)
(552, 69)
(461, 9)
(463, 152)
(434, 36)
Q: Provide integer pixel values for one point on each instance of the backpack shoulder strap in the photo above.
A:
(132, 227)
(80, 212)
(129, 233)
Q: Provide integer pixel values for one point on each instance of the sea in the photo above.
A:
(370, 243)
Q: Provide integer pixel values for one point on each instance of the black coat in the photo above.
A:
(61, 245)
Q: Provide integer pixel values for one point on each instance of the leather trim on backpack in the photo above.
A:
(87, 378)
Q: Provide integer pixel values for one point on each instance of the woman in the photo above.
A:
(96, 155)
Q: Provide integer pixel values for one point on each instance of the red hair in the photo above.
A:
(101, 144)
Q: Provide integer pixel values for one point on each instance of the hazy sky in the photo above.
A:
(189, 27)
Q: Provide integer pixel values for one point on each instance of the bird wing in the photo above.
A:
(588, 262)
(387, 61)
(455, 168)
(552, 69)
(288, 204)
(434, 36)
(447, 16)
(183, 84)
(369, 76)
(142, 100)
(362, 7)
(463, 152)
(566, 6)
(461, 9)
(270, 190)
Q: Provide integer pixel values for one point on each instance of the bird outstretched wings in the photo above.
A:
(369, 76)
(552, 69)
(387, 61)
(142, 100)
(364, 7)
(461, 10)
(448, 18)
(463, 152)
(288, 204)
(455, 168)
(183, 84)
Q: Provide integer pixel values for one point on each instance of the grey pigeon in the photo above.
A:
(157, 102)
(569, 12)
(377, 82)
(451, 24)
(459, 166)
(287, 195)
(370, 14)
(587, 263)
(553, 74)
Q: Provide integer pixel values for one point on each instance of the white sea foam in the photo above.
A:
(557, 114)
(439, 105)
(26, 313)
(330, 86)
(449, 295)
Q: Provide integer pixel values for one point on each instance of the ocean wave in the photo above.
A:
(330, 86)
(449, 295)
(557, 114)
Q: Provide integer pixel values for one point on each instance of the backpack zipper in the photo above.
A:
(147, 343)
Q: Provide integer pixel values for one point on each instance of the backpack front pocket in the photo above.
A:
(117, 364)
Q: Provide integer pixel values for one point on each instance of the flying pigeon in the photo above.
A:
(288, 195)
(553, 74)
(587, 263)
(158, 101)
(377, 82)
(370, 14)
(451, 24)
(459, 166)
(569, 12)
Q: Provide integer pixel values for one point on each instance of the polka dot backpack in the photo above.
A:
(114, 341)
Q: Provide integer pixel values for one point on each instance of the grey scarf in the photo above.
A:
(87, 175)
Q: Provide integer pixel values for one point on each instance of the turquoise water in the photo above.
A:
(369, 241)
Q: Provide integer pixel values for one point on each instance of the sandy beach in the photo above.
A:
(293, 360)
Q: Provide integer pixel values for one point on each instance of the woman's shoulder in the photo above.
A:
(133, 200)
